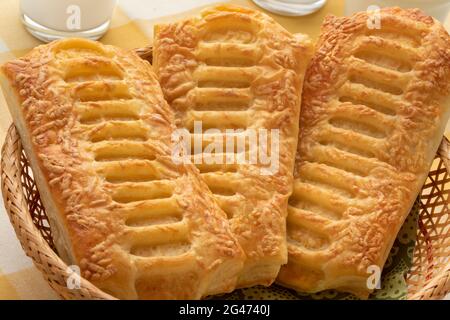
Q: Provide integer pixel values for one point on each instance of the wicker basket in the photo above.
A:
(429, 278)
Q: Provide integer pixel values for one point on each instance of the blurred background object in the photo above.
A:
(50, 20)
(291, 7)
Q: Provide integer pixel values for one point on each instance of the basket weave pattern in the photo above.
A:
(27, 215)
(429, 277)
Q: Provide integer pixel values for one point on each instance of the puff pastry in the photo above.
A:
(375, 105)
(235, 68)
(97, 130)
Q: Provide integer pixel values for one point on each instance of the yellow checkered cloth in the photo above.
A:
(131, 27)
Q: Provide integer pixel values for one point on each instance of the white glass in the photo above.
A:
(291, 7)
(438, 9)
(50, 20)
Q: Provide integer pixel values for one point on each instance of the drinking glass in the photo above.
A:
(291, 7)
(50, 20)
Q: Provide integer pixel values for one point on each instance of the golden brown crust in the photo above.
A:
(237, 68)
(375, 105)
(94, 120)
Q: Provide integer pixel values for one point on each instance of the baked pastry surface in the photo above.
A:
(235, 68)
(97, 130)
(375, 105)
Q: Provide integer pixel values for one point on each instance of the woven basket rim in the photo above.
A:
(43, 256)
(24, 227)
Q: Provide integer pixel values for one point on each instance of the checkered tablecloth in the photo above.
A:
(131, 28)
